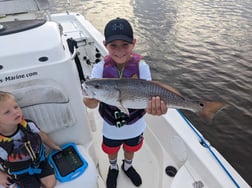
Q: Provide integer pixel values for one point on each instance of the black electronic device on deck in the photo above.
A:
(68, 163)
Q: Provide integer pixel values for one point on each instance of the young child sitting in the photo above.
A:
(22, 153)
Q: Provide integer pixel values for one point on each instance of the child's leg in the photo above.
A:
(28, 181)
(47, 177)
(113, 161)
(111, 148)
(48, 181)
(130, 147)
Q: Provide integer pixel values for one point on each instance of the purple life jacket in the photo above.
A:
(111, 114)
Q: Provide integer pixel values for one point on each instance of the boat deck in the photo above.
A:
(145, 160)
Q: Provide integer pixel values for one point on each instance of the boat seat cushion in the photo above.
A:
(50, 117)
(44, 102)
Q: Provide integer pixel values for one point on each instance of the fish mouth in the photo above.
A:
(86, 92)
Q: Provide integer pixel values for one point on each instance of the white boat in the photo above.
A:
(44, 61)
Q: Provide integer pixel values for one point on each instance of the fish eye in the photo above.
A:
(97, 86)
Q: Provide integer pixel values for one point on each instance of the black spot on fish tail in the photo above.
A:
(209, 109)
(202, 104)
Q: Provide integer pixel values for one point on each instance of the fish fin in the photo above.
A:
(85, 92)
(209, 109)
(123, 109)
(170, 88)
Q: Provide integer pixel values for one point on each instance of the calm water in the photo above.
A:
(202, 48)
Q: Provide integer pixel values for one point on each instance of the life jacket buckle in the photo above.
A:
(120, 123)
(120, 119)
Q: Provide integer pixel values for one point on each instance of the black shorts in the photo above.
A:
(33, 181)
(111, 146)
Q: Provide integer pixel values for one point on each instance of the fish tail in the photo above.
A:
(209, 109)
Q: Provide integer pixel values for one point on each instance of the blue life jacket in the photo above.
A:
(111, 114)
(25, 155)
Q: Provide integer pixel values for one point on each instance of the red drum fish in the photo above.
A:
(135, 93)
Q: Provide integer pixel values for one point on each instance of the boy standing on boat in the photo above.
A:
(119, 128)
(22, 154)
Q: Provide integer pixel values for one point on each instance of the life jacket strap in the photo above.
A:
(30, 170)
(115, 117)
(33, 169)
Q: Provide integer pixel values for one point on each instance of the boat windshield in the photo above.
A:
(8, 7)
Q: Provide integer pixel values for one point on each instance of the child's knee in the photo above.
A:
(49, 181)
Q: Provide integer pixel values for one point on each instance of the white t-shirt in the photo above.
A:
(18, 136)
(126, 131)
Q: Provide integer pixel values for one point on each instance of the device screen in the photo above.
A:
(67, 161)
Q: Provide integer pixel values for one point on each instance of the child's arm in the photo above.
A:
(45, 138)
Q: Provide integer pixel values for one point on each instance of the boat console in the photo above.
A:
(38, 68)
